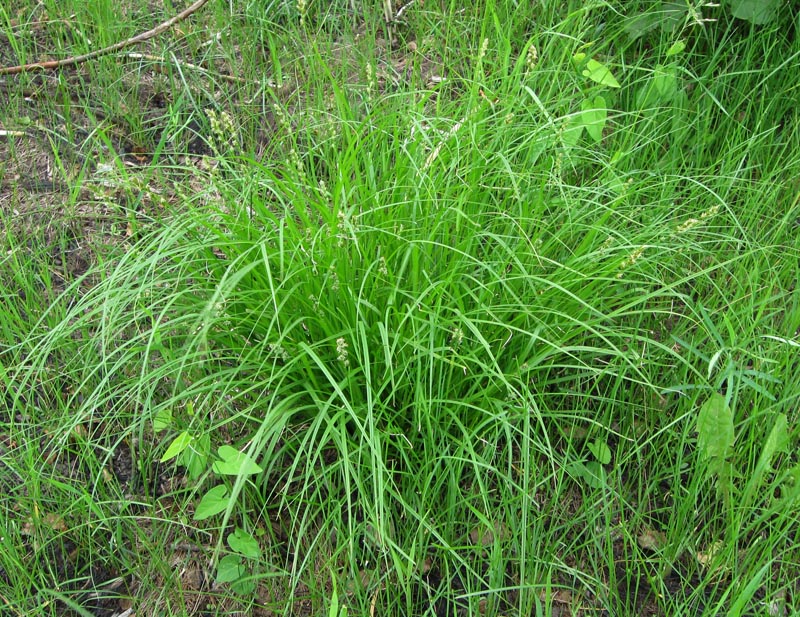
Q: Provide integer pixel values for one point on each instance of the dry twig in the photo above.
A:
(53, 64)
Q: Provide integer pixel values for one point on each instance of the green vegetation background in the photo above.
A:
(435, 309)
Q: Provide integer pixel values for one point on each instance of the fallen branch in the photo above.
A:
(54, 64)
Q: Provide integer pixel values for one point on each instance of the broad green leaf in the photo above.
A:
(676, 48)
(229, 569)
(600, 451)
(572, 131)
(593, 117)
(177, 446)
(595, 474)
(162, 420)
(667, 15)
(715, 431)
(592, 473)
(673, 14)
(660, 89)
(595, 71)
(641, 24)
(665, 80)
(234, 463)
(755, 11)
(777, 441)
(213, 502)
(242, 542)
(244, 586)
(195, 457)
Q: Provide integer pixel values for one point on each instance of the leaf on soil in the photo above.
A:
(229, 569)
(242, 542)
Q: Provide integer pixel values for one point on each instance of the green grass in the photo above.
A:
(477, 354)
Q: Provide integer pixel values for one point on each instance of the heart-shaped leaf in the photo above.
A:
(595, 71)
(660, 89)
(667, 15)
(229, 569)
(242, 542)
(235, 463)
(592, 473)
(665, 80)
(593, 117)
(571, 133)
(213, 502)
(600, 451)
